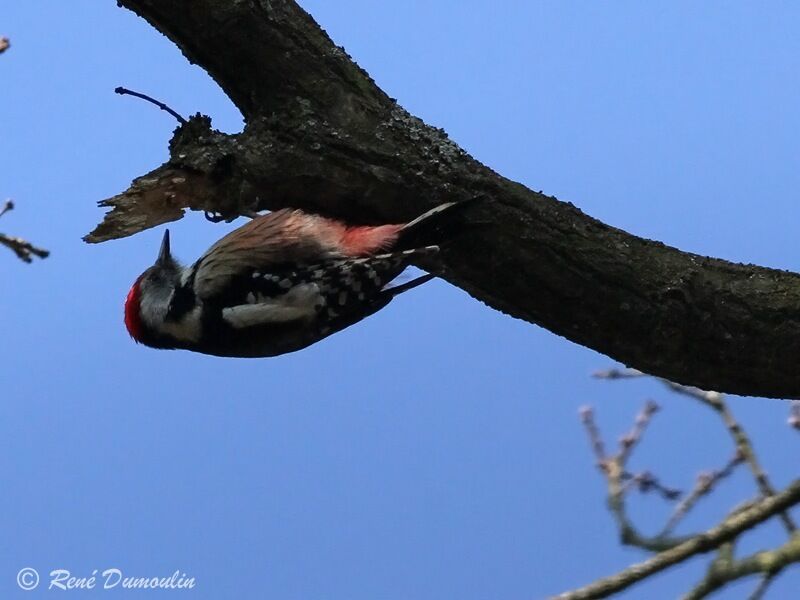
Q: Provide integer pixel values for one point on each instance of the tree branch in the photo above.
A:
(705, 483)
(320, 135)
(716, 401)
(763, 584)
(619, 480)
(769, 563)
(705, 542)
(724, 568)
(24, 250)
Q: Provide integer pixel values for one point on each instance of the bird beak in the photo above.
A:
(164, 256)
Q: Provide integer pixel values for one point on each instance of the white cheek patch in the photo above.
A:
(153, 310)
(299, 303)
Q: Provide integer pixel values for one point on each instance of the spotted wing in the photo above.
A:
(333, 293)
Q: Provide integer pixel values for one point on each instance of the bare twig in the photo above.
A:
(620, 480)
(124, 91)
(595, 439)
(744, 446)
(763, 584)
(24, 250)
(709, 540)
(646, 482)
(628, 441)
(725, 567)
(705, 484)
(716, 402)
(7, 206)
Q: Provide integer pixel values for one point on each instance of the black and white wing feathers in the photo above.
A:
(333, 294)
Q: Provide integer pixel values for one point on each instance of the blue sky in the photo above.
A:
(433, 451)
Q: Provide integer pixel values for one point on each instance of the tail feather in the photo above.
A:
(409, 285)
(435, 226)
(435, 211)
(409, 254)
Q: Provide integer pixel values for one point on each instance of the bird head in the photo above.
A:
(148, 301)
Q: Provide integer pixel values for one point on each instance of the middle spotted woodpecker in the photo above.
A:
(277, 284)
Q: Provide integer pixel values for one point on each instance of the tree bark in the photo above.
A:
(320, 135)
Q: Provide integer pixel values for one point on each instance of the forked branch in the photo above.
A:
(669, 549)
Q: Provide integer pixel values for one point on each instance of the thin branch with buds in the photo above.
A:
(24, 250)
(721, 539)
(706, 541)
(716, 402)
(705, 484)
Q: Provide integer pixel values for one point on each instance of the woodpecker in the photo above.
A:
(279, 283)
